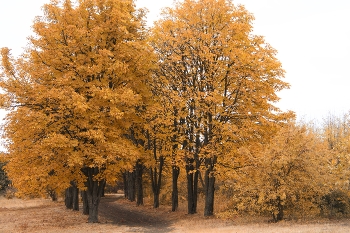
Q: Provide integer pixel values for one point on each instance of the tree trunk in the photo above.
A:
(125, 181)
(192, 186)
(175, 191)
(209, 187)
(280, 214)
(130, 176)
(68, 199)
(85, 203)
(156, 200)
(195, 188)
(75, 196)
(139, 188)
(156, 179)
(94, 193)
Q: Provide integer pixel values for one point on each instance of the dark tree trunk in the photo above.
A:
(75, 196)
(192, 169)
(156, 200)
(125, 181)
(139, 188)
(192, 184)
(94, 193)
(209, 186)
(196, 173)
(130, 176)
(175, 168)
(189, 169)
(195, 188)
(85, 202)
(279, 216)
(175, 191)
(156, 179)
(68, 199)
(209, 193)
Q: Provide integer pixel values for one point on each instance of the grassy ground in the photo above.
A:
(119, 215)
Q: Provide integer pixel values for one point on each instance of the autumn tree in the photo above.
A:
(291, 174)
(335, 131)
(221, 83)
(156, 144)
(73, 94)
(162, 126)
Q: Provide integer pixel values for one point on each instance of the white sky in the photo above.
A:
(312, 38)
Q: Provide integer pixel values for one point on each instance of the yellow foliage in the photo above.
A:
(291, 171)
(74, 92)
(216, 79)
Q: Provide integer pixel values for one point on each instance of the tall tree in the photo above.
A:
(221, 82)
(73, 94)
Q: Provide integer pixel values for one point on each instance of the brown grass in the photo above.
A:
(40, 215)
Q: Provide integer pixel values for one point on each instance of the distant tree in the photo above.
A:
(73, 95)
(336, 134)
(335, 131)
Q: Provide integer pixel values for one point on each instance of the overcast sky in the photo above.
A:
(312, 38)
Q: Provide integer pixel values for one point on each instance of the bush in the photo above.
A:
(336, 204)
(4, 180)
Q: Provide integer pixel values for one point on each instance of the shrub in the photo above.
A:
(336, 204)
(4, 180)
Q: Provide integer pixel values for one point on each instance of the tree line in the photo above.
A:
(98, 97)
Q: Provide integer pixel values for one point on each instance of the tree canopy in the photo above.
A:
(73, 93)
(220, 80)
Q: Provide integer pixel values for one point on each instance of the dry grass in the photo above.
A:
(45, 216)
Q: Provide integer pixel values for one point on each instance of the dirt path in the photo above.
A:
(117, 211)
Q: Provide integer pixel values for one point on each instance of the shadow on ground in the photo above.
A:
(119, 213)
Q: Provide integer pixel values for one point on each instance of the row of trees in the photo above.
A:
(302, 171)
(96, 93)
